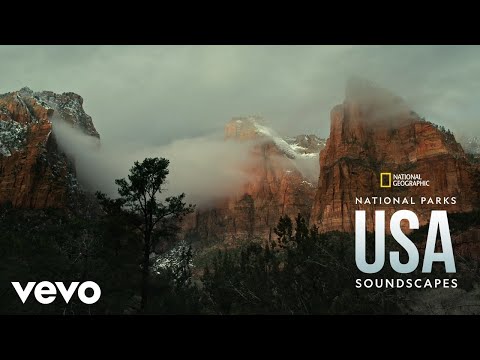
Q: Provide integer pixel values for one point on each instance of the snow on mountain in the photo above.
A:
(302, 146)
(68, 106)
(472, 145)
(12, 136)
(285, 147)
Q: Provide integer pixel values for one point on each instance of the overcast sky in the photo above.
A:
(155, 94)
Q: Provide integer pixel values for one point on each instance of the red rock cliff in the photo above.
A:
(33, 172)
(374, 131)
(276, 187)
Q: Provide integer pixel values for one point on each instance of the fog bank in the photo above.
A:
(205, 168)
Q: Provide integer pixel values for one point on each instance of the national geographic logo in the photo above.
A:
(388, 180)
(385, 180)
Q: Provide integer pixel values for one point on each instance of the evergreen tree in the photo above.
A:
(139, 204)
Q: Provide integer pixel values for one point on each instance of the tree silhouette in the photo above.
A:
(139, 205)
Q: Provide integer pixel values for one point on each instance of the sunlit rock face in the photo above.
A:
(34, 173)
(277, 185)
(374, 131)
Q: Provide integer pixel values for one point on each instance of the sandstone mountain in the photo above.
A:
(33, 173)
(306, 144)
(374, 131)
(277, 185)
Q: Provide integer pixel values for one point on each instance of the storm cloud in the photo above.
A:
(154, 95)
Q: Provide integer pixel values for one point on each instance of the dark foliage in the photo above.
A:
(302, 273)
(151, 218)
(299, 272)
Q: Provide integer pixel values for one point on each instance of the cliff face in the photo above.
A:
(374, 131)
(276, 187)
(33, 172)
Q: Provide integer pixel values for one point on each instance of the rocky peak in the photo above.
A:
(371, 104)
(275, 185)
(25, 91)
(255, 128)
(34, 173)
(306, 144)
(27, 106)
(370, 134)
(243, 128)
(69, 107)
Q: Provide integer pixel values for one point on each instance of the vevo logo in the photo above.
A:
(45, 292)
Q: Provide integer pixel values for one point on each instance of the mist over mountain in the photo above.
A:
(206, 168)
(154, 95)
(249, 182)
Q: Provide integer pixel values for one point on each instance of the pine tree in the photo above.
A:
(138, 204)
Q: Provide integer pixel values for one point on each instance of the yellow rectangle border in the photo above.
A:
(382, 185)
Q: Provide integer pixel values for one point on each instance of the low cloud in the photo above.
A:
(205, 168)
(309, 166)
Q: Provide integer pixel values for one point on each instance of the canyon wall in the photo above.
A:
(33, 172)
(374, 131)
